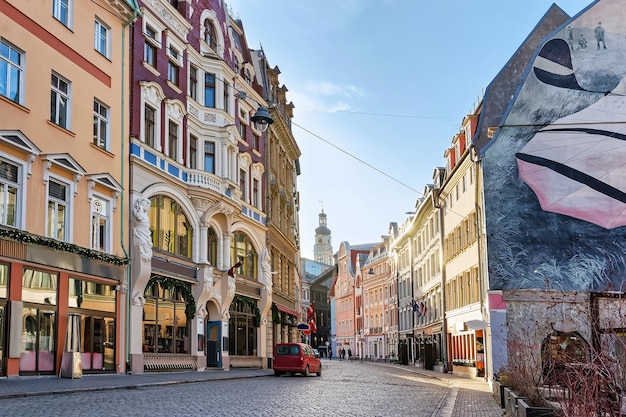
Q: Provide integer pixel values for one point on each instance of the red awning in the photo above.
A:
(286, 310)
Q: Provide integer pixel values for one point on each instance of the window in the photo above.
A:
(243, 185)
(255, 193)
(102, 38)
(242, 327)
(166, 325)
(11, 71)
(171, 231)
(209, 90)
(241, 250)
(226, 97)
(172, 140)
(209, 34)
(150, 47)
(193, 152)
(209, 157)
(193, 82)
(172, 72)
(212, 246)
(100, 236)
(255, 141)
(62, 11)
(9, 193)
(58, 210)
(101, 125)
(149, 126)
(60, 101)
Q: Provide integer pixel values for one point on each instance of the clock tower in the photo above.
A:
(323, 249)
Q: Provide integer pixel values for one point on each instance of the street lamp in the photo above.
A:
(261, 118)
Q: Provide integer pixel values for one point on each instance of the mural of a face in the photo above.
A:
(555, 174)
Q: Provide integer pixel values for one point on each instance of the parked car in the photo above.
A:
(295, 358)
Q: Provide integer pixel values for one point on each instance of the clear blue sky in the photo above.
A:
(387, 81)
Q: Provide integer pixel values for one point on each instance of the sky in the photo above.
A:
(380, 87)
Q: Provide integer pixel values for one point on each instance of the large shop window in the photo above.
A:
(171, 231)
(241, 250)
(95, 303)
(39, 293)
(242, 326)
(166, 315)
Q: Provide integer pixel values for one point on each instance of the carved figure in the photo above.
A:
(141, 231)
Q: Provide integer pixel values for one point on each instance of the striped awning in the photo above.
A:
(286, 310)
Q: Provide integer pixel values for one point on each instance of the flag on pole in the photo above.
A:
(310, 318)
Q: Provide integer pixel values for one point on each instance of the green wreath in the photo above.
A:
(247, 301)
(184, 288)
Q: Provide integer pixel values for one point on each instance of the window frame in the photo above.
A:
(98, 121)
(107, 216)
(56, 95)
(19, 185)
(67, 203)
(212, 156)
(210, 88)
(173, 141)
(19, 69)
(65, 18)
(103, 49)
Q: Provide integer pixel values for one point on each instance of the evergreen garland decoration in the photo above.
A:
(184, 288)
(24, 237)
(247, 301)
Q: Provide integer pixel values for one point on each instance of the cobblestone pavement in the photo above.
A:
(345, 389)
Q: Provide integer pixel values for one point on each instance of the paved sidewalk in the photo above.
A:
(466, 397)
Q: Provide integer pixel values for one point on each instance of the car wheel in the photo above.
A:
(306, 371)
(319, 371)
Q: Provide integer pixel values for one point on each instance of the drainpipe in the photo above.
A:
(126, 24)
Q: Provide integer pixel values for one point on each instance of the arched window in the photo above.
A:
(171, 231)
(212, 246)
(209, 34)
(241, 250)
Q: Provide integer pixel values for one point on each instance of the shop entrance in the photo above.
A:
(38, 341)
(213, 352)
(98, 350)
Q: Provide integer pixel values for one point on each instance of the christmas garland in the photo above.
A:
(246, 301)
(184, 288)
(24, 237)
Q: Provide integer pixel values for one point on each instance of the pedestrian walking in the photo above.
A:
(330, 354)
(599, 33)
(349, 354)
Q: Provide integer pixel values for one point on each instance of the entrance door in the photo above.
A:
(213, 352)
(98, 351)
(38, 340)
(429, 356)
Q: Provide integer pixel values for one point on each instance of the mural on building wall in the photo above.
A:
(555, 174)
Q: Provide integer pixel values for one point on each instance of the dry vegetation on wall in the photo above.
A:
(567, 351)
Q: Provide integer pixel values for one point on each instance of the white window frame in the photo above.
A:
(105, 214)
(58, 14)
(172, 43)
(152, 95)
(179, 129)
(102, 34)
(59, 94)
(175, 111)
(100, 120)
(148, 20)
(19, 184)
(8, 82)
(67, 203)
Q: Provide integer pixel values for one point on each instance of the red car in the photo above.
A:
(295, 358)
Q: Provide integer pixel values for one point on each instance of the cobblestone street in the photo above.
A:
(345, 389)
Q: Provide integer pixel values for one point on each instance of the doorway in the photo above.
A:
(213, 351)
(38, 341)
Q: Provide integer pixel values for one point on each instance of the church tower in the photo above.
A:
(323, 249)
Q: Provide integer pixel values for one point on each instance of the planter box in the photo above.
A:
(498, 392)
(438, 368)
(525, 410)
(511, 400)
(464, 371)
